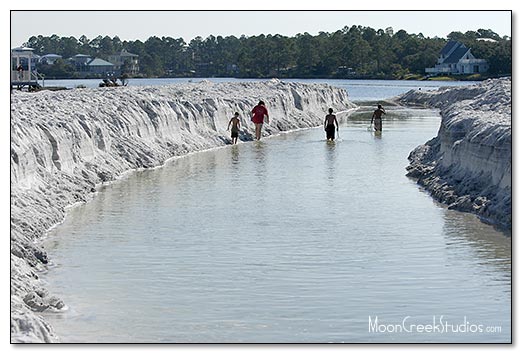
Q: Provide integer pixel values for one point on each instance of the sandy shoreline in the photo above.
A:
(65, 144)
(467, 166)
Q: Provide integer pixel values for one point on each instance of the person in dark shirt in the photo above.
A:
(377, 118)
(330, 124)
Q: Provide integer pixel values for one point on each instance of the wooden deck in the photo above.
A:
(23, 79)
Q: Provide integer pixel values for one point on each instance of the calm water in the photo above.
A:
(359, 90)
(287, 240)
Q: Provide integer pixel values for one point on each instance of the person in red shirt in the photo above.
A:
(258, 117)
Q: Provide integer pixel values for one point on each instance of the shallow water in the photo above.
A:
(291, 239)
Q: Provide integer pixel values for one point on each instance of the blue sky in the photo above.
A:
(131, 25)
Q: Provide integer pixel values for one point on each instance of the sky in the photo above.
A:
(132, 25)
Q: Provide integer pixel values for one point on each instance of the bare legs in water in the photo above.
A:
(259, 126)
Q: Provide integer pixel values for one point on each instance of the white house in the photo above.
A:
(455, 58)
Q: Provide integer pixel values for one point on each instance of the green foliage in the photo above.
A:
(441, 78)
(354, 51)
(59, 70)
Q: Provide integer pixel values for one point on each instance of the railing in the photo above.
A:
(37, 77)
(20, 76)
(473, 61)
(437, 70)
(26, 76)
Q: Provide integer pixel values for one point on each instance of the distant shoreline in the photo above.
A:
(407, 78)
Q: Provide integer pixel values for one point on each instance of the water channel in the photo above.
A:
(287, 240)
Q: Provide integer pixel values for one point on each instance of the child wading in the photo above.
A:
(330, 123)
(236, 124)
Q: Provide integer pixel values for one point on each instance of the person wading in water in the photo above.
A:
(258, 117)
(330, 123)
(236, 124)
(377, 118)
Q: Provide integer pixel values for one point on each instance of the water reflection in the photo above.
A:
(330, 159)
(259, 160)
(289, 239)
(234, 154)
(489, 248)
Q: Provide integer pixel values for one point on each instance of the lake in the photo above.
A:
(287, 240)
(359, 90)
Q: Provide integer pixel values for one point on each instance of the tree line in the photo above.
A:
(355, 51)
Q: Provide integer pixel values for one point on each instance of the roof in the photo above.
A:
(99, 62)
(487, 39)
(22, 49)
(447, 48)
(456, 55)
(51, 56)
(124, 53)
(22, 52)
(81, 56)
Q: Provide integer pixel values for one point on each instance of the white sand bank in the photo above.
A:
(468, 164)
(65, 143)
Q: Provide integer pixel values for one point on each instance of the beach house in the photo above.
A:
(79, 62)
(89, 66)
(456, 59)
(99, 66)
(125, 62)
(49, 59)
